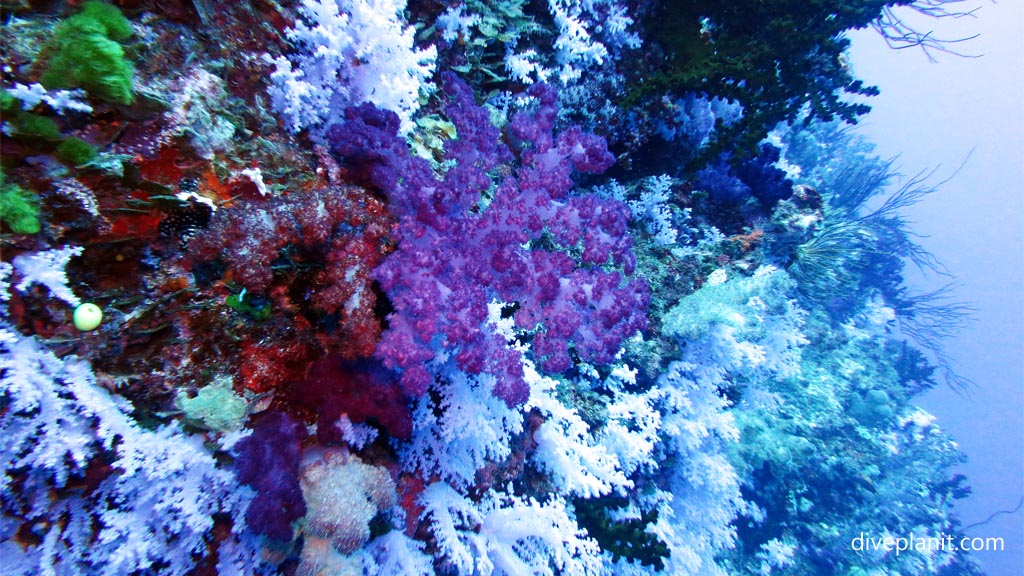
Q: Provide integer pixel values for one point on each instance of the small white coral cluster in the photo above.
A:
(47, 268)
(649, 204)
(589, 33)
(653, 209)
(460, 426)
(59, 100)
(587, 29)
(580, 463)
(507, 534)
(342, 495)
(349, 52)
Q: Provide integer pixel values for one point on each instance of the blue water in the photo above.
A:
(944, 114)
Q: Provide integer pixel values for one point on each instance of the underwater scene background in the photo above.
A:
(461, 287)
(941, 114)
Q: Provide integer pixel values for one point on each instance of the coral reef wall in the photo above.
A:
(377, 287)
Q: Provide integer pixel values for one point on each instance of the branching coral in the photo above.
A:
(92, 489)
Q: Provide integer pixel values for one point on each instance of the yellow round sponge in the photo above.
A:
(87, 317)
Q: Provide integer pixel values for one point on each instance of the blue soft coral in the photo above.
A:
(758, 177)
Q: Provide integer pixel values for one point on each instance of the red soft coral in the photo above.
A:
(320, 247)
(269, 366)
(363, 391)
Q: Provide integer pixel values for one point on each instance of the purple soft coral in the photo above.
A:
(455, 255)
(268, 461)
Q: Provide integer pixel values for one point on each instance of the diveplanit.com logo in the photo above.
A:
(924, 544)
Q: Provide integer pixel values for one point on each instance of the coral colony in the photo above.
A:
(373, 287)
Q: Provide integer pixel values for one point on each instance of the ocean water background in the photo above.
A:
(934, 115)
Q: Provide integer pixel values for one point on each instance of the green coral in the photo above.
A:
(110, 17)
(35, 126)
(8, 103)
(777, 58)
(19, 208)
(75, 152)
(86, 54)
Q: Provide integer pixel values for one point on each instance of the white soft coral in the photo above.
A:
(47, 268)
(350, 52)
(507, 535)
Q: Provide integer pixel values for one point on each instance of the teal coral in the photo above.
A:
(838, 450)
(215, 407)
(729, 303)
